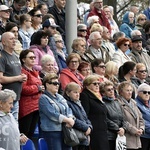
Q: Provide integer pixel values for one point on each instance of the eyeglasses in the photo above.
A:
(145, 92)
(83, 30)
(102, 66)
(142, 19)
(38, 15)
(126, 45)
(86, 70)
(142, 71)
(54, 83)
(96, 83)
(74, 62)
(31, 57)
(109, 90)
(6, 11)
(59, 41)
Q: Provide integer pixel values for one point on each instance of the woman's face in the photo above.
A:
(59, 44)
(49, 67)
(100, 69)
(74, 94)
(94, 86)
(133, 72)
(86, 71)
(127, 92)
(124, 47)
(44, 9)
(28, 23)
(131, 17)
(109, 91)
(29, 60)
(53, 86)
(141, 73)
(81, 47)
(7, 106)
(14, 30)
(145, 94)
(44, 41)
(73, 64)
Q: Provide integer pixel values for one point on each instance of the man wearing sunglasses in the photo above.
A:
(138, 53)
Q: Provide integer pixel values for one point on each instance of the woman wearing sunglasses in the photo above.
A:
(143, 103)
(120, 56)
(54, 111)
(134, 122)
(96, 111)
(115, 119)
(32, 89)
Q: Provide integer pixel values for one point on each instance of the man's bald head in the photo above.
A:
(6, 35)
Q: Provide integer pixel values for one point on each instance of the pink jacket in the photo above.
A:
(39, 52)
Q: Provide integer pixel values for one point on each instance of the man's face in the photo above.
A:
(60, 3)
(17, 6)
(98, 4)
(137, 45)
(97, 41)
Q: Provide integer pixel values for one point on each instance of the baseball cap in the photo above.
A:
(4, 7)
(50, 23)
(136, 38)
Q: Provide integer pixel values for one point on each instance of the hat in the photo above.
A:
(4, 7)
(136, 38)
(50, 23)
(143, 87)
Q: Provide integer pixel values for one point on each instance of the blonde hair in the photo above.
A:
(57, 37)
(76, 42)
(72, 86)
(139, 65)
(96, 27)
(140, 16)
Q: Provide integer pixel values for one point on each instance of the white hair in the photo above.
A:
(92, 35)
(47, 58)
(135, 33)
(91, 19)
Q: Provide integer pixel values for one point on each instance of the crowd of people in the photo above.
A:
(102, 88)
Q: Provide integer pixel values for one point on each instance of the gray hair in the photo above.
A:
(91, 19)
(92, 35)
(81, 26)
(47, 58)
(135, 33)
(117, 35)
(6, 94)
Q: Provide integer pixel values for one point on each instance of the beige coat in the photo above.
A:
(120, 58)
(134, 121)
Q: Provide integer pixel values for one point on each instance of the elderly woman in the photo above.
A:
(32, 89)
(54, 111)
(120, 56)
(82, 123)
(82, 30)
(71, 73)
(39, 44)
(133, 117)
(96, 111)
(140, 20)
(79, 47)
(141, 73)
(10, 135)
(143, 103)
(115, 121)
(47, 63)
(85, 68)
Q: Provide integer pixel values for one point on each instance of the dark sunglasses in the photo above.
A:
(96, 83)
(38, 15)
(143, 19)
(54, 83)
(145, 92)
(142, 71)
(6, 11)
(102, 66)
(109, 90)
(31, 57)
(59, 41)
(83, 30)
(126, 45)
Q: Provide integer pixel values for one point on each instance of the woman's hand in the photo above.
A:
(69, 122)
(121, 131)
(139, 132)
(23, 138)
(88, 131)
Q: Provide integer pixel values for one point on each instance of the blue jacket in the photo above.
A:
(126, 26)
(51, 116)
(147, 13)
(82, 122)
(146, 116)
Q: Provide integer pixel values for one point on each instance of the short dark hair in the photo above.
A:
(10, 25)
(23, 54)
(36, 37)
(33, 11)
(95, 63)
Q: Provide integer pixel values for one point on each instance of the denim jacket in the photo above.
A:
(52, 111)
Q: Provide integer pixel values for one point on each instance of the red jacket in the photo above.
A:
(103, 21)
(66, 76)
(30, 93)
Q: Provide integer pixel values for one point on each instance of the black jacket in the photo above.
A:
(115, 119)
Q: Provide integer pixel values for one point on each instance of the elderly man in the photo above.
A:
(10, 69)
(98, 11)
(138, 54)
(96, 49)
